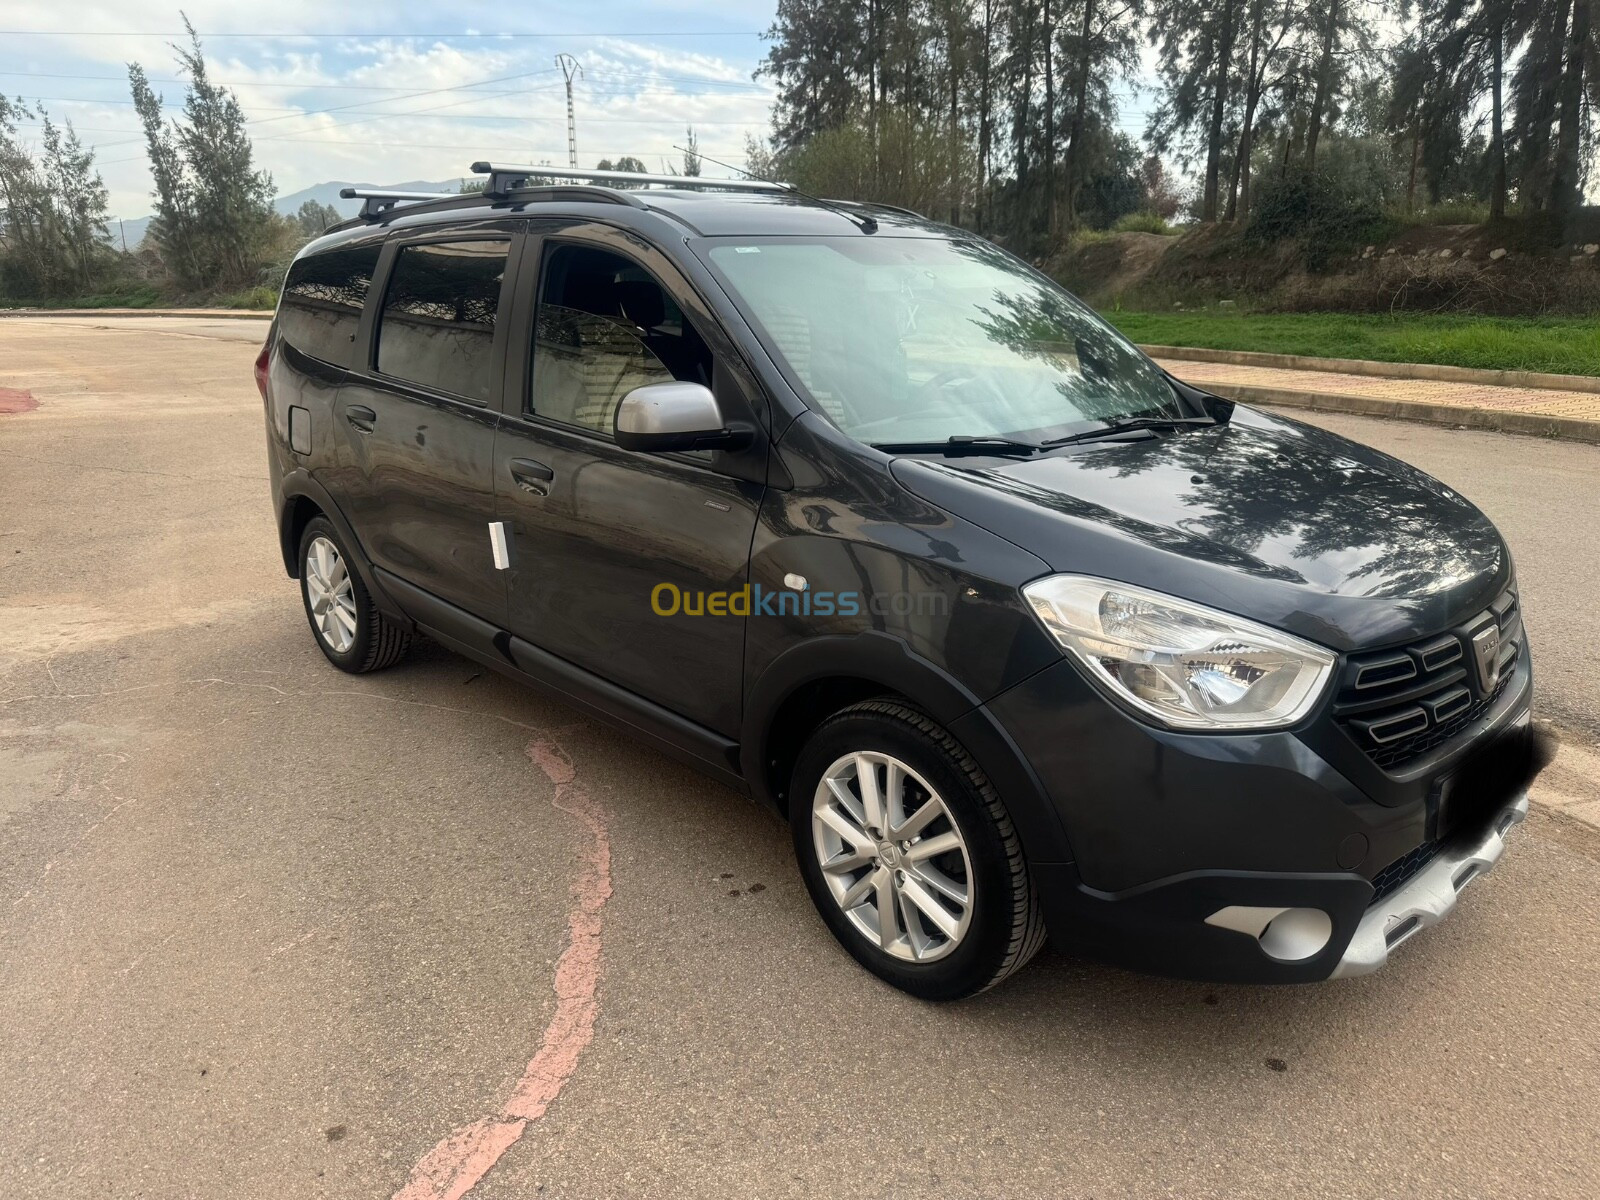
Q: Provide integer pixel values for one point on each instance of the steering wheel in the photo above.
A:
(935, 391)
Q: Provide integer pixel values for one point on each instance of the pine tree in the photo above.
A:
(213, 208)
(52, 212)
(1470, 42)
(1196, 41)
(1566, 185)
(313, 218)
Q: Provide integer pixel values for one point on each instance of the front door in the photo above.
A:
(419, 422)
(600, 537)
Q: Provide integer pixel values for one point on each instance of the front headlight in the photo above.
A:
(1188, 666)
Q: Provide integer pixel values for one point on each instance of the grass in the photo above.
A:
(256, 297)
(145, 295)
(134, 296)
(1562, 345)
(1144, 222)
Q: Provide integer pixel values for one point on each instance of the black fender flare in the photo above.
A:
(888, 661)
(297, 484)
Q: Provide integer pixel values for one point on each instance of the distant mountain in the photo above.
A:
(328, 193)
(133, 229)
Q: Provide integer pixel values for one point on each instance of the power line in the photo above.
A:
(305, 87)
(311, 112)
(345, 107)
(459, 87)
(373, 87)
(500, 146)
(129, 103)
(487, 36)
(290, 113)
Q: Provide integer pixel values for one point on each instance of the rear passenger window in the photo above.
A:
(437, 326)
(604, 328)
(322, 298)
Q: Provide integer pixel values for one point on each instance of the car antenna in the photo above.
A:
(864, 221)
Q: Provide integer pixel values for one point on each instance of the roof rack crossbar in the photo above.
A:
(504, 179)
(375, 201)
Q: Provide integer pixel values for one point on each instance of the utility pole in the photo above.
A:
(569, 67)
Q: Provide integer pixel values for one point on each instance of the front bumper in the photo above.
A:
(1265, 927)
(1187, 849)
(1429, 897)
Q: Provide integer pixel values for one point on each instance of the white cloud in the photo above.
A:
(402, 107)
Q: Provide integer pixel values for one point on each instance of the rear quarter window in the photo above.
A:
(322, 298)
(438, 321)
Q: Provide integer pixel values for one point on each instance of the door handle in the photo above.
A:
(532, 477)
(362, 417)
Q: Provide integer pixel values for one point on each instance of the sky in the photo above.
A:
(403, 91)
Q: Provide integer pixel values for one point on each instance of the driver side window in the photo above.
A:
(605, 327)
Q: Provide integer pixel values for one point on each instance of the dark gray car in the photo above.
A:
(864, 517)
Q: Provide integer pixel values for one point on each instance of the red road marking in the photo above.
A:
(452, 1168)
(13, 400)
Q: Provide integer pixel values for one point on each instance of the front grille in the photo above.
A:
(1399, 704)
(1400, 872)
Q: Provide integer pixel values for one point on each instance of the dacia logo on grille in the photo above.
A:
(1486, 655)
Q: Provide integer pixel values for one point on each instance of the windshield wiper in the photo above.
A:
(1129, 424)
(961, 444)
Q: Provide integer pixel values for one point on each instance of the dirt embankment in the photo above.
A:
(1439, 268)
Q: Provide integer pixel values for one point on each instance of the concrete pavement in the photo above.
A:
(271, 931)
(1553, 410)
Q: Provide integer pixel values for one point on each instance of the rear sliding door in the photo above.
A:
(419, 419)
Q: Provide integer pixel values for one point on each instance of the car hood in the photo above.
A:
(1261, 516)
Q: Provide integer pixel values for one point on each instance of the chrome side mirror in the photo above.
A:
(661, 417)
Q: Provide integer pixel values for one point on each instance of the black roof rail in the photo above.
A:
(506, 179)
(909, 212)
(378, 203)
(542, 183)
(380, 200)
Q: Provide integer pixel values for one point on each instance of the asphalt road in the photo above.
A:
(271, 931)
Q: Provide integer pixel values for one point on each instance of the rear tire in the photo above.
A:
(891, 815)
(349, 630)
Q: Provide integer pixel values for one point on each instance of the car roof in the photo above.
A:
(700, 213)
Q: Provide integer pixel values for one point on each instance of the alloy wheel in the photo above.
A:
(331, 595)
(892, 856)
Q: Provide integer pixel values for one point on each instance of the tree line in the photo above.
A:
(1008, 115)
(1011, 117)
(214, 229)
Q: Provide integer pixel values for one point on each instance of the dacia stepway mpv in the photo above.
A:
(867, 519)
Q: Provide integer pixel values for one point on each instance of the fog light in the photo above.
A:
(1286, 934)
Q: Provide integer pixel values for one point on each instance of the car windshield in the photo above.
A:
(923, 339)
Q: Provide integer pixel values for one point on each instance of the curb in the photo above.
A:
(1492, 420)
(225, 314)
(1380, 370)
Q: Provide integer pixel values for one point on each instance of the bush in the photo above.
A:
(1143, 222)
(256, 297)
(1322, 211)
(1458, 212)
(915, 165)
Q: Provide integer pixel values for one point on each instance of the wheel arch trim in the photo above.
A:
(297, 485)
(887, 661)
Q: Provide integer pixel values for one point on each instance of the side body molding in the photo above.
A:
(494, 647)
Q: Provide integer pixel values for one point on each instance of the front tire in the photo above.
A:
(909, 854)
(349, 630)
